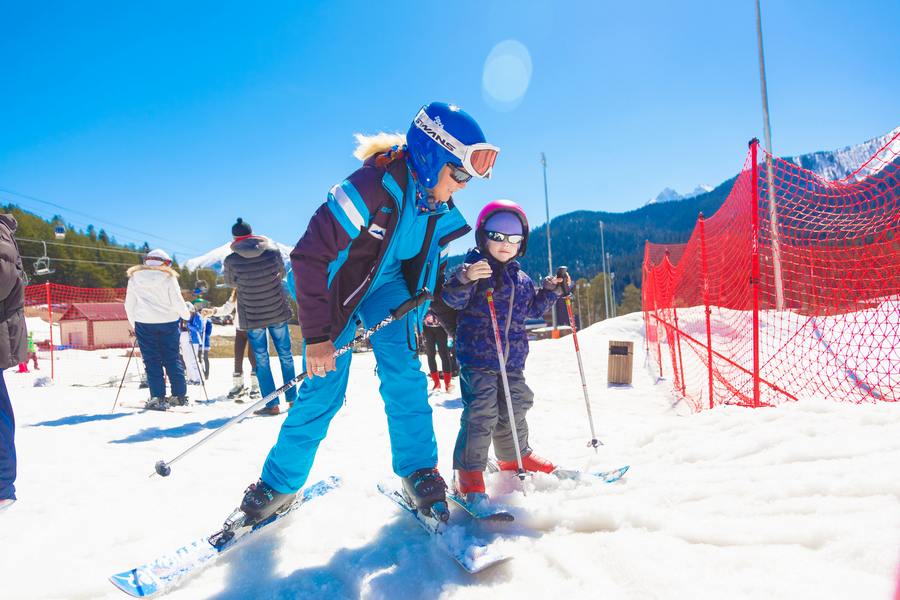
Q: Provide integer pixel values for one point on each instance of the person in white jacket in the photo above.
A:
(153, 303)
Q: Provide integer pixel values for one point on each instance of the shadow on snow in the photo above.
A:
(79, 419)
(155, 433)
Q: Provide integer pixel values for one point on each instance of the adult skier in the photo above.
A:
(154, 304)
(374, 243)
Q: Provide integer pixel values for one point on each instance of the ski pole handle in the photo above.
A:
(563, 273)
(415, 302)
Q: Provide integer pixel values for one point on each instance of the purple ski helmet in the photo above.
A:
(498, 206)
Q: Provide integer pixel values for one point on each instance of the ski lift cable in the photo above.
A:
(79, 260)
(98, 219)
(98, 249)
(84, 225)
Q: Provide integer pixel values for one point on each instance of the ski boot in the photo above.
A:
(268, 411)
(237, 390)
(470, 485)
(530, 462)
(178, 401)
(436, 378)
(448, 384)
(426, 490)
(156, 403)
(254, 387)
(261, 502)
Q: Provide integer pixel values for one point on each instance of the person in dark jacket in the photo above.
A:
(435, 342)
(256, 269)
(13, 349)
(501, 234)
(370, 247)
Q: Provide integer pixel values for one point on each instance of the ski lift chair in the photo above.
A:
(42, 264)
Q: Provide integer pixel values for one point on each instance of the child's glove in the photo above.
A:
(475, 271)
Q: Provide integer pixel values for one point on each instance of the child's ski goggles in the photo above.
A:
(477, 159)
(512, 238)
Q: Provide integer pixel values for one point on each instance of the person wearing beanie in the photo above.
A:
(501, 235)
(255, 268)
(154, 305)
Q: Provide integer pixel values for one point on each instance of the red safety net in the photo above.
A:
(757, 308)
(65, 321)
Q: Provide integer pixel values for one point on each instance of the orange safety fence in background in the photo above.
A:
(66, 321)
(790, 290)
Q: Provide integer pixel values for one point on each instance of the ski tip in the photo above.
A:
(134, 583)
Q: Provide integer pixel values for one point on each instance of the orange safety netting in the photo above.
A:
(757, 308)
(64, 321)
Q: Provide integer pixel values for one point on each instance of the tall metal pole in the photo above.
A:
(770, 178)
(549, 250)
(605, 276)
(612, 297)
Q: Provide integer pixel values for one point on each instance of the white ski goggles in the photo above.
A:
(477, 159)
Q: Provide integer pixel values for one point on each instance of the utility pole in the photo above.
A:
(770, 178)
(603, 266)
(549, 250)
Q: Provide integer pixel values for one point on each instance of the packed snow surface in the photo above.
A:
(798, 501)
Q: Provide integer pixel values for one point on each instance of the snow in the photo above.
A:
(797, 501)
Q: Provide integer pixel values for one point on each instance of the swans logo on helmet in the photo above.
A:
(434, 131)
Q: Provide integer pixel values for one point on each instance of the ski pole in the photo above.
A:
(164, 468)
(122, 381)
(567, 293)
(502, 360)
(199, 372)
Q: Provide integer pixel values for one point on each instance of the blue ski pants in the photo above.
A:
(7, 444)
(159, 344)
(281, 339)
(403, 390)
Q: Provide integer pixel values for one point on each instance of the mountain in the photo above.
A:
(670, 195)
(838, 164)
(214, 258)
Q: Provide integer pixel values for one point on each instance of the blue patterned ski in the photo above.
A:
(169, 570)
(610, 476)
(470, 553)
(483, 511)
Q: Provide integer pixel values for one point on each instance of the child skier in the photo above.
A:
(501, 236)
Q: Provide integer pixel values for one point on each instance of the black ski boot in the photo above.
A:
(426, 490)
(261, 502)
(178, 401)
(156, 403)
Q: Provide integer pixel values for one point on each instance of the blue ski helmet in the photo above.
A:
(443, 133)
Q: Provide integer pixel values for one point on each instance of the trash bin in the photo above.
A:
(621, 357)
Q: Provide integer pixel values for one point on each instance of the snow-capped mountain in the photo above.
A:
(215, 257)
(669, 195)
(838, 164)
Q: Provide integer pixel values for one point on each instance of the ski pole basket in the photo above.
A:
(621, 361)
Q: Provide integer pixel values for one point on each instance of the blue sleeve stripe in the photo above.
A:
(342, 217)
(349, 191)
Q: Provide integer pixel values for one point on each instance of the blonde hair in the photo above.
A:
(369, 145)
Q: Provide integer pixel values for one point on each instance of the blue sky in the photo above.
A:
(164, 121)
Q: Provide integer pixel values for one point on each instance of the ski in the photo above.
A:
(470, 553)
(6, 503)
(483, 511)
(610, 476)
(169, 570)
(171, 409)
(604, 476)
